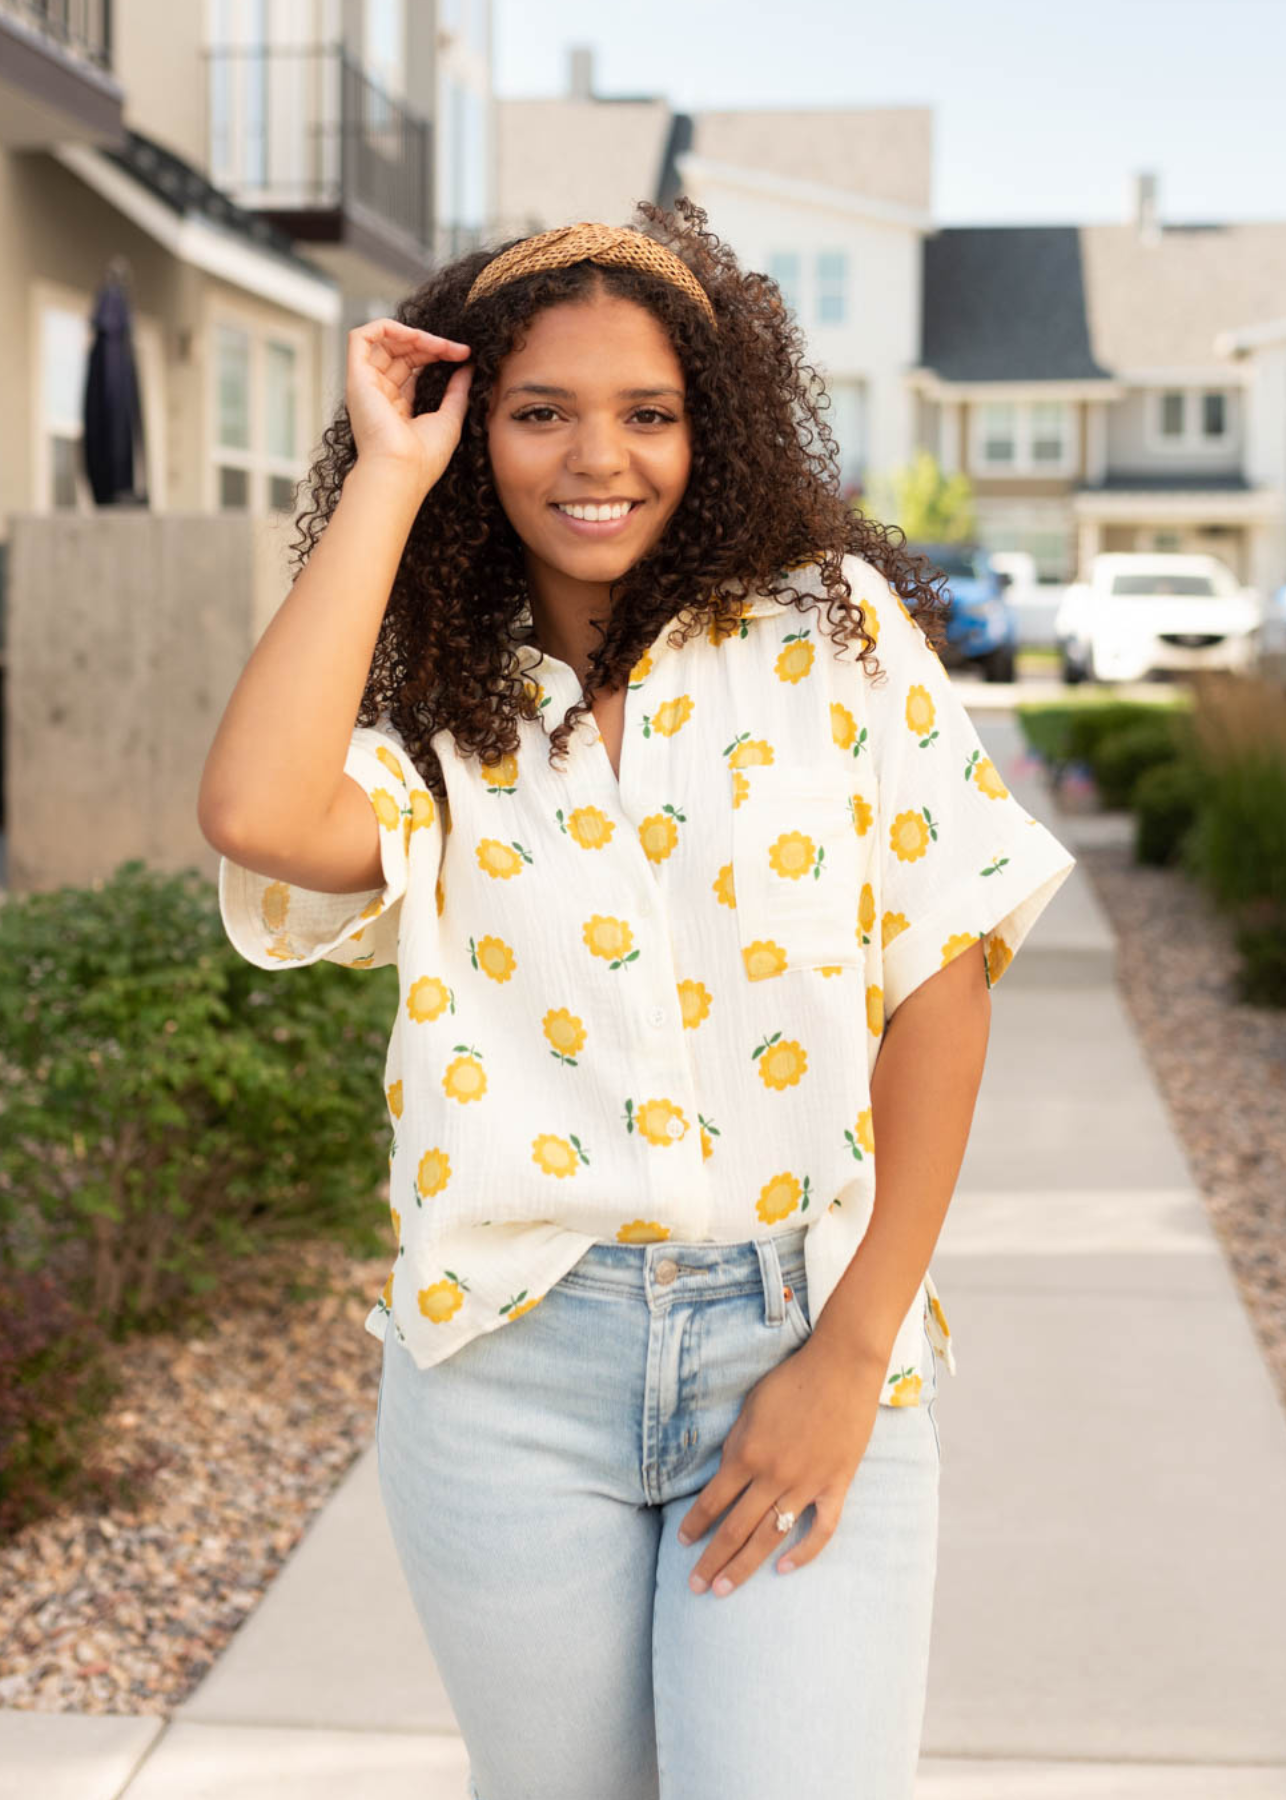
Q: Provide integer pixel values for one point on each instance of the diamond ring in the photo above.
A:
(784, 1519)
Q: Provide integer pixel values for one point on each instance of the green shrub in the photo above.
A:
(1239, 840)
(1091, 725)
(166, 1108)
(1165, 799)
(1121, 756)
(1261, 943)
(1045, 728)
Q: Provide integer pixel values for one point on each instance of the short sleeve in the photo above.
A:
(276, 925)
(960, 858)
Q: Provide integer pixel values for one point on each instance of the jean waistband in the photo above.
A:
(666, 1271)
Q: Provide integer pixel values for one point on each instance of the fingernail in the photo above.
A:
(785, 1567)
(684, 1538)
(697, 1583)
(723, 1585)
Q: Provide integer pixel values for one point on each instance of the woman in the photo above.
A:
(692, 907)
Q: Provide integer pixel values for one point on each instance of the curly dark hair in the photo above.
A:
(763, 496)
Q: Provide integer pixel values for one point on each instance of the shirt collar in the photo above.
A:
(531, 656)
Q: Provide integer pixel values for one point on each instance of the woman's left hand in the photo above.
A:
(801, 1433)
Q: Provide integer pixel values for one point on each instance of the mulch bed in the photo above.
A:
(1219, 1062)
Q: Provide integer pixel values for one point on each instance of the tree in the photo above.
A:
(930, 507)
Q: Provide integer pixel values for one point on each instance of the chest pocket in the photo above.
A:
(798, 867)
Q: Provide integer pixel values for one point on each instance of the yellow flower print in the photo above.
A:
(656, 1121)
(843, 726)
(890, 925)
(794, 854)
(659, 833)
(751, 753)
(500, 860)
(935, 1307)
(717, 632)
(723, 888)
(871, 620)
(669, 718)
(740, 787)
(909, 835)
(866, 911)
(861, 1140)
(919, 713)
(516, 1308)
(274, 908)
(762, 959)
(441, 1301)
(906, 1392)
(501, 777)
(465, 1079)
(386, 1293)
(999, 956)
(432, 1175)
(986, 778)
(440, 895)
(694, 1003)
(795, 660)
(423, 810)
(956, 945)
(589, 827)
(609, 938)
(778, 1198)
(642, 1231)
(397, 1223)
(830, 968)
(560, 1156)
(494, 957)
(863, 815)
(707, 1145)
(641, 670)
(427, 999)
(387, 810)
(875, 1010)
(565, 1032)
(395, 1099)
(782, 1062)
(391, 762)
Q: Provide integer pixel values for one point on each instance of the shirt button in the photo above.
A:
(675, 1128)
(666, 1271)
(657, 1015)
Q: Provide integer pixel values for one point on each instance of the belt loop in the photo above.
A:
(770, 1270)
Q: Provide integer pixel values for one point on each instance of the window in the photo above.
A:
(65, 338)
(999, 444)
(1214, 415)
(832, 283)
(847, 419)
(257, 413)
(1188, 418)
(1172, 411)
(783, 268)
(1022, 438)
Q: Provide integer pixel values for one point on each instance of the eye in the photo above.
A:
(664, 417)
(531, 411)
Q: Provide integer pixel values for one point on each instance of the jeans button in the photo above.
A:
(666, 1271)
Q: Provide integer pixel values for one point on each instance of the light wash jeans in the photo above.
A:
(534, 1482)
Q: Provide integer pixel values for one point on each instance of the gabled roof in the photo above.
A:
(1006, 303)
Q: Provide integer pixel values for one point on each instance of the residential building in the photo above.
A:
(1072, 373)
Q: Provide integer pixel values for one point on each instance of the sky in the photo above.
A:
(1042, 113)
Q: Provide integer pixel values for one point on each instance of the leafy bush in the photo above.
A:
(1091, 725)
(166, 1108)
(53, 1390)
(1121, 756)
(1261, 943)
(1069, 731)
(1165, 799)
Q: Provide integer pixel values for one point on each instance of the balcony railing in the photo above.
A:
(82, 28)
(303, 127)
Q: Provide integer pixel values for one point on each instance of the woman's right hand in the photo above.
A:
(384, 361)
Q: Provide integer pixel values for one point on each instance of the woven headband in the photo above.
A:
(615, 245)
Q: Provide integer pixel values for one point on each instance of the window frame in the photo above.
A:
(260, 465)
(1194, 435)
(1023, 463)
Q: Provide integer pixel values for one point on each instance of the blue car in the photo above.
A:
(982, 627)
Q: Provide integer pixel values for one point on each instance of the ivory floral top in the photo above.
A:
(649, 1010)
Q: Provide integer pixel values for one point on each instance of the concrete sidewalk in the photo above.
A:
(1112, 1580)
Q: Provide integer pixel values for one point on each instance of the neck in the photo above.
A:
(563, 610)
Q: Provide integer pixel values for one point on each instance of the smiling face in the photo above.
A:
(589, 410)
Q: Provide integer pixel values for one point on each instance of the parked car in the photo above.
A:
(981, 627)
(1035, 602)
(1136, 614)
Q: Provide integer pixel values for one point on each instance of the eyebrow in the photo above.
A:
(561, 393)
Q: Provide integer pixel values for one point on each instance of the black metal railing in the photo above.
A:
(83, 28)
(306, 126)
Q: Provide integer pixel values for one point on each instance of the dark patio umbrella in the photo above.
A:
(112, 443)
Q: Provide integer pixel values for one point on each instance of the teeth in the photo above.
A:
(618, 511)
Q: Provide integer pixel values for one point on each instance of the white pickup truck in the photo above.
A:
(1137, 613)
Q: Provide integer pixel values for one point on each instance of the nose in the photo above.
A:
(599, 448)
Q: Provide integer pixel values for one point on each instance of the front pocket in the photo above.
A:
(798, 868)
